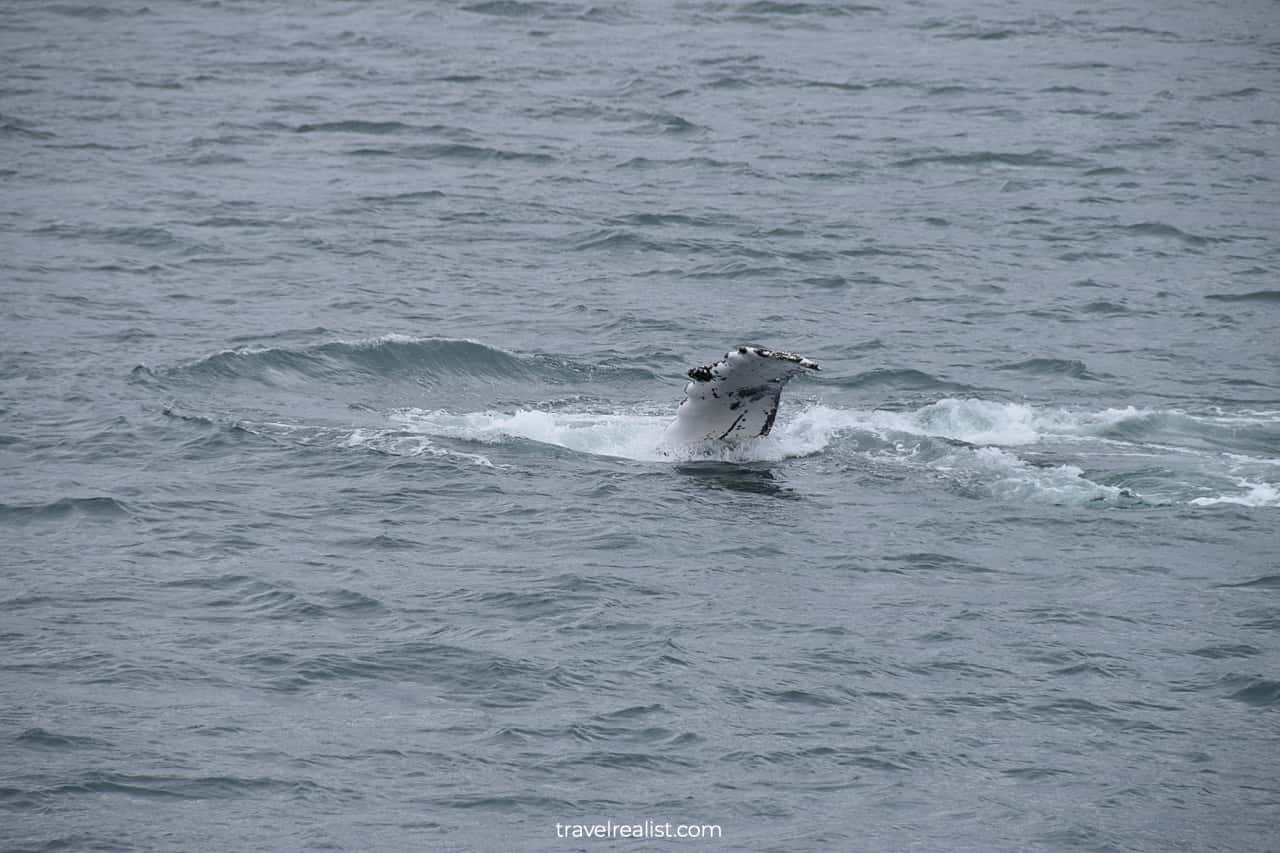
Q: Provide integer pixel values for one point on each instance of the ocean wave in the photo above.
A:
(97, 783)
(347, 362)
(768, 7)
(454, 151)
(1040, 157)
(904, 379)
(354, 126)
(1253, 433)
(517, 9)
(92, 11)
(39, 738)
(238, 595)
(1165, 230)
(99, 508)
(1072, 368)
(1254, 296)
(424, 362)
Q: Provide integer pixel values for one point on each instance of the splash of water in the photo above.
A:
(926, 437)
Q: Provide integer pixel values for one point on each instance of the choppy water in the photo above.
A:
(337, 340)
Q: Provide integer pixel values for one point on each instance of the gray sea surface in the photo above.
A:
(336, 344)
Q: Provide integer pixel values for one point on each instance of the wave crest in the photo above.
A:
(423, 361)
(349, 362)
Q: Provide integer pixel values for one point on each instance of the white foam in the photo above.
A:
(1250, 417)
(989, 469)
(974, 421)
(994, 423)
(398, 338)
(1009, 424)
(810, 430)
(630, 436)
(1244, 459)
(637, 436)
(397, 443)
(1257, 495)
(1004, 475)
(992, 467)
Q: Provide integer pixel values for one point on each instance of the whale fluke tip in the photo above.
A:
(736, 398)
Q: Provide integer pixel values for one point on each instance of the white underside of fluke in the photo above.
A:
(736, 398)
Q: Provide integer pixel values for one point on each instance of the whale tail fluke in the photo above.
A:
(736, 398)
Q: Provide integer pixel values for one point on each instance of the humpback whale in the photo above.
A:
(736, 398)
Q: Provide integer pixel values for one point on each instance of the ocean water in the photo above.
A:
(336, 341)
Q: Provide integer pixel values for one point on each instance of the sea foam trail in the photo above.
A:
(976, 421)
(1255, 495)
(809, 430)
(971, 442)
(980, 471)
(628, 436)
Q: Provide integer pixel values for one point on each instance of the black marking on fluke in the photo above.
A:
(700, 374)
(768, 421)
(733, 426)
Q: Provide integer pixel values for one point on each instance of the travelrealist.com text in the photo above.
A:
(644, 829)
